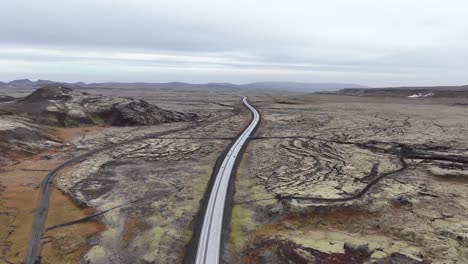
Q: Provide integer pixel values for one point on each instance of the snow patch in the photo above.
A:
(421, 95)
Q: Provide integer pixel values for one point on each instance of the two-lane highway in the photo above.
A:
(209, 245)
(208, 250)
(38, 228)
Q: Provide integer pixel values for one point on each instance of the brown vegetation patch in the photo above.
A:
(19, 195)
(69, 133)
(67, 244)
(134, 226)
(19, 200)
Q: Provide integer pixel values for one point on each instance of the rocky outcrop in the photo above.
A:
(62, 106)
(22, 136)
(6, 98)
(282, 251)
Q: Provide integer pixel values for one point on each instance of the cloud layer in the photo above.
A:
(364, 41)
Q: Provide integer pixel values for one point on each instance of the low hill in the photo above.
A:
(22, 136)
(264, 86)
(62, 106)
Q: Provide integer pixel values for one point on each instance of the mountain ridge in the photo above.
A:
(261, 86)
(274, 86)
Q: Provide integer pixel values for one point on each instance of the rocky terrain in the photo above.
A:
(329, 174)
(150, 189)
(325, 179)
(58, 105)
(137, 199)
(6, 98)
(22, 136)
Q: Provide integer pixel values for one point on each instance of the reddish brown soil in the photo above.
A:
(18, 199)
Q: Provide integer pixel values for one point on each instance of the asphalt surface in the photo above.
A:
(33, 254)
(40, 216)
(209, 245)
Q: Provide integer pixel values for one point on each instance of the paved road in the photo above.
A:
(209, 245)
(40, 216)
(37, 231)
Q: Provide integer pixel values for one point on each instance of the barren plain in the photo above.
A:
(342, 179)
(144, 194)
(325, 179)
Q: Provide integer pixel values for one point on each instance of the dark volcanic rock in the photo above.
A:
(276, 250)
(137, 112)
(62, 106)
(56, 92)
(6, 98)
(22, 136)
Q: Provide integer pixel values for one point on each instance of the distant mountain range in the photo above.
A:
(266, 86)
(302, 87)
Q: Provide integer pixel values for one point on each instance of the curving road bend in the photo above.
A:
(209, 245)
(33, 253)
(40, 216)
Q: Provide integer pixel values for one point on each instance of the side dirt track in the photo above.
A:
(326, 179)
(40, 216)
(33, 253)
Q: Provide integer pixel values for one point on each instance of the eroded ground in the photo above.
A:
(150, 189)
(328, 175)
(19, 195)
(326, 179)
(129, 203)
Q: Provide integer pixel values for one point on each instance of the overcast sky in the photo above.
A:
(375, 43)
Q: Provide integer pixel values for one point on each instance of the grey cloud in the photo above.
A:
(379, 44)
